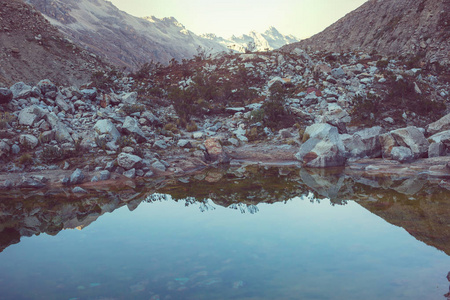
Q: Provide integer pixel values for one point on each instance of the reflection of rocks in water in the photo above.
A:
(240, 188)
(323, 182)
(410, 186)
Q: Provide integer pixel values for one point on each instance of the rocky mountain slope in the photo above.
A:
(122, 39)
(391, 27)
(32, 49)
(269, 40)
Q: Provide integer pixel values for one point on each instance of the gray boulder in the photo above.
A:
(131, 126)
(129, 98)
(437, 149)
(77, 177)
(402, 154)
(440, 125)
(364, 143)
(28, 141)
(46, 86)
(149, 116)
(159, 166)
(107, 127)
(130, 173)
(128, 161)
(338, 73)
(90, 94)
(441, 137)
(105, 175)
(5, 96)
(62, 103)
(62, 133)
(31, 115)
(324, 148)
(20, 90)
(412, 138)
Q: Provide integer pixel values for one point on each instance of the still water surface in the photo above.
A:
(301, 248)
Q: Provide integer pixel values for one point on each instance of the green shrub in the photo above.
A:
(25, 159)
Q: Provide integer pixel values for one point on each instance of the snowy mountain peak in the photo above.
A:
(255, 41)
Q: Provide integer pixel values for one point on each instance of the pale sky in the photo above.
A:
(302, 18)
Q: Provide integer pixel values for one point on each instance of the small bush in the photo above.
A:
(25, 159)
(5, 118)
(382, 64)
(191, 127)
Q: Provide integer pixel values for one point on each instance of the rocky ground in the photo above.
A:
(312, 109)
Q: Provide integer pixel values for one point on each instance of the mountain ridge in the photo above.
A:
(392, 28)
(121, 38)
(270, 39)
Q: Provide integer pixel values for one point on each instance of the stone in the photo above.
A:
(128, 161)
(4, 147)
(387, 142)
(338, 73)
(160, 144)
(159, 166)
(412, 138)
(131, 126)
(107, 127)
(215, 151)
(28, 182)
(198, 135)
(129, 98)
(105, 175)
(31, 115)
(184, 144)
(285, 134)
(15, 149)
(130, 173)
(90, 94)
(402, 154)
(364, 143)
(437, 150)
(441, 137)
(324, 148)
(77, 177)
(46, 86)
(79, 190)
(149, 116)
(28, 141)
(442, 124)
(149, 174)
(20, 90)
(62, 133)
(5, 96)
(62, 104)
(338, 117)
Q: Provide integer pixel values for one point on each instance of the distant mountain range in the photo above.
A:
(390, 27)
(269, 40)
(124, 40)
(128, 41)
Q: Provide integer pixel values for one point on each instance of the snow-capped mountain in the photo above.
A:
(269, 40)
(124, 40)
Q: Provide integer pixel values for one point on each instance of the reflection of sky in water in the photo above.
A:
(297, 250)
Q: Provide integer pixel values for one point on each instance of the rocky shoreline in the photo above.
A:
(90, 136)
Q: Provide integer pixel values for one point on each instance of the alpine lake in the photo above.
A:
(247, 232)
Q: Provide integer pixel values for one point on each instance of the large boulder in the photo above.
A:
(129, 98)
(215, 151)
(364, 143)
(402, 154)
(338, 117)
(440, 125)
(131, 126)
(324, 148)
(62, 132)
(107, 127)
(128, 161)
(5, 95)
(46, 86)
(412, 138)
(387, 142)
(31, 115)
(441, 137)
(28, 141)
(20, 90)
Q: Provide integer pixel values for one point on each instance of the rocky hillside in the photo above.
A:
(269, 40)
(418, 28)
(32, 49)
(124, 40)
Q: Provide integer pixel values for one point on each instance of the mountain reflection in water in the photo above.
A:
(421, 207)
